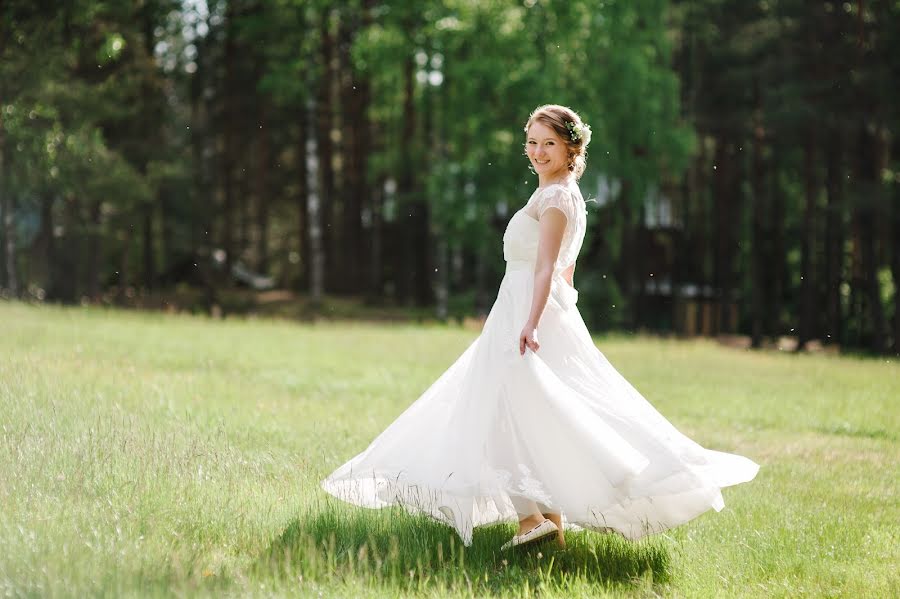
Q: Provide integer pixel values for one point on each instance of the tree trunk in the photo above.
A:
(407, 216)
(627, 263)
(46, 246)
(726, 205)
(363, 145)
(834, 238)
(324, 121)
(70, 256)
(807, 308)
(167, 222)
(202, 208)
(303, 209)
(895, 266)
(871, 291)
(9, 235)
(422, 245)
(871, 160)
(376, 260)
(153, 140)
(702, 228)
(229, 139)
(759, 209)
(353, 177)
(442, 278)
(481, 296)
(778, 255)
(315, 217)
(720, 210)
(124, 272)
(7, 208)
(681, 251)
(94, 254)
(641, 239)
(263, 160)
(147, 250)
(199, 204)
(244, 201)
(422, 253)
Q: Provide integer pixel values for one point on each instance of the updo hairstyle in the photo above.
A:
(556, 117)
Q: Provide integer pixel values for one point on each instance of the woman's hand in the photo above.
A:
(528, 337)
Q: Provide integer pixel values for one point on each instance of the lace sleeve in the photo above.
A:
(557, 197)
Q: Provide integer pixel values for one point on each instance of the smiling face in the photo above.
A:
(547, 152)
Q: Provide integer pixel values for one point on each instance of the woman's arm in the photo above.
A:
(552, 226)
(568, 274)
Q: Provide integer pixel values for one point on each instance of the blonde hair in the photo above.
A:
(556, 116)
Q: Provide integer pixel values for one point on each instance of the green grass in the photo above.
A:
(146, 454)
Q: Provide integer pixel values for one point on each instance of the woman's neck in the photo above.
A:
(552, 179)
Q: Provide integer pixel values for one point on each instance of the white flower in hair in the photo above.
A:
(579, 131)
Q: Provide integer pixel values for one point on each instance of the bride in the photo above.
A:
(532, 422)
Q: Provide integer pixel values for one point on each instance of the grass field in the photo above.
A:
(145, 454)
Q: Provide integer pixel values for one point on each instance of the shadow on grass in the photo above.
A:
(399, 551)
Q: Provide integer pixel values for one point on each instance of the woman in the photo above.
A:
(532, 422)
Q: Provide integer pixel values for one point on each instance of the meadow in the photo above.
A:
(144, 454)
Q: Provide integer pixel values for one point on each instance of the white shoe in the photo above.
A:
(541, 531)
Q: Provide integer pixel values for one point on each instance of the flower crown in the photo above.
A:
(579, 132)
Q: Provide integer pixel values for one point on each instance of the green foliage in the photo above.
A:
(111, 48)
(154, 111)
(629, 96)
(600, 301)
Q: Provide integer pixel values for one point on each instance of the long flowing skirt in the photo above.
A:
(560, 427)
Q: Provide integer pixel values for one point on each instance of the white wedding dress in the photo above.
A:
(560, 426)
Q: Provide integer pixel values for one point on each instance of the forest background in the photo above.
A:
(218, 155)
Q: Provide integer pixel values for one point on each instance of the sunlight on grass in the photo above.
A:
(157, 455)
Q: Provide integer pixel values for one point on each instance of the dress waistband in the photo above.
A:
(562, 293)
(519, 265)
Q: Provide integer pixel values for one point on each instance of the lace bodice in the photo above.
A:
(520, 241)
